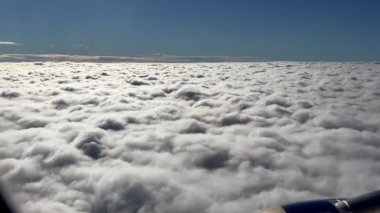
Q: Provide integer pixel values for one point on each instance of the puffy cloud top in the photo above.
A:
(161, 137)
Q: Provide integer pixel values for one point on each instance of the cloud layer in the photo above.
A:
(161, 137)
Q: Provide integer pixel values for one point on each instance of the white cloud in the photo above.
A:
(9, 43)
(187, 137)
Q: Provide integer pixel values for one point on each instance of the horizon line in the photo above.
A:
(147, 59)
(116, 59)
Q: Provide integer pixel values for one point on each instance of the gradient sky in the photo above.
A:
(267, 29)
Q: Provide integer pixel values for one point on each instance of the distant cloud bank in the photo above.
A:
(155, 58)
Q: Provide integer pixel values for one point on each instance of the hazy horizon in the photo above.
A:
(153, 59)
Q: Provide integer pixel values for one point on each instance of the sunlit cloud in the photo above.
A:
(185, 137)
(9, 43)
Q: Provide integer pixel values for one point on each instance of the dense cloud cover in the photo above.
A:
(184, 138)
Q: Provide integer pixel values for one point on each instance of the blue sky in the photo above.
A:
(312, 30)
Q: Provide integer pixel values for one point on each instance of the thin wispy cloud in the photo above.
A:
(78, 46)
(9, 43)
